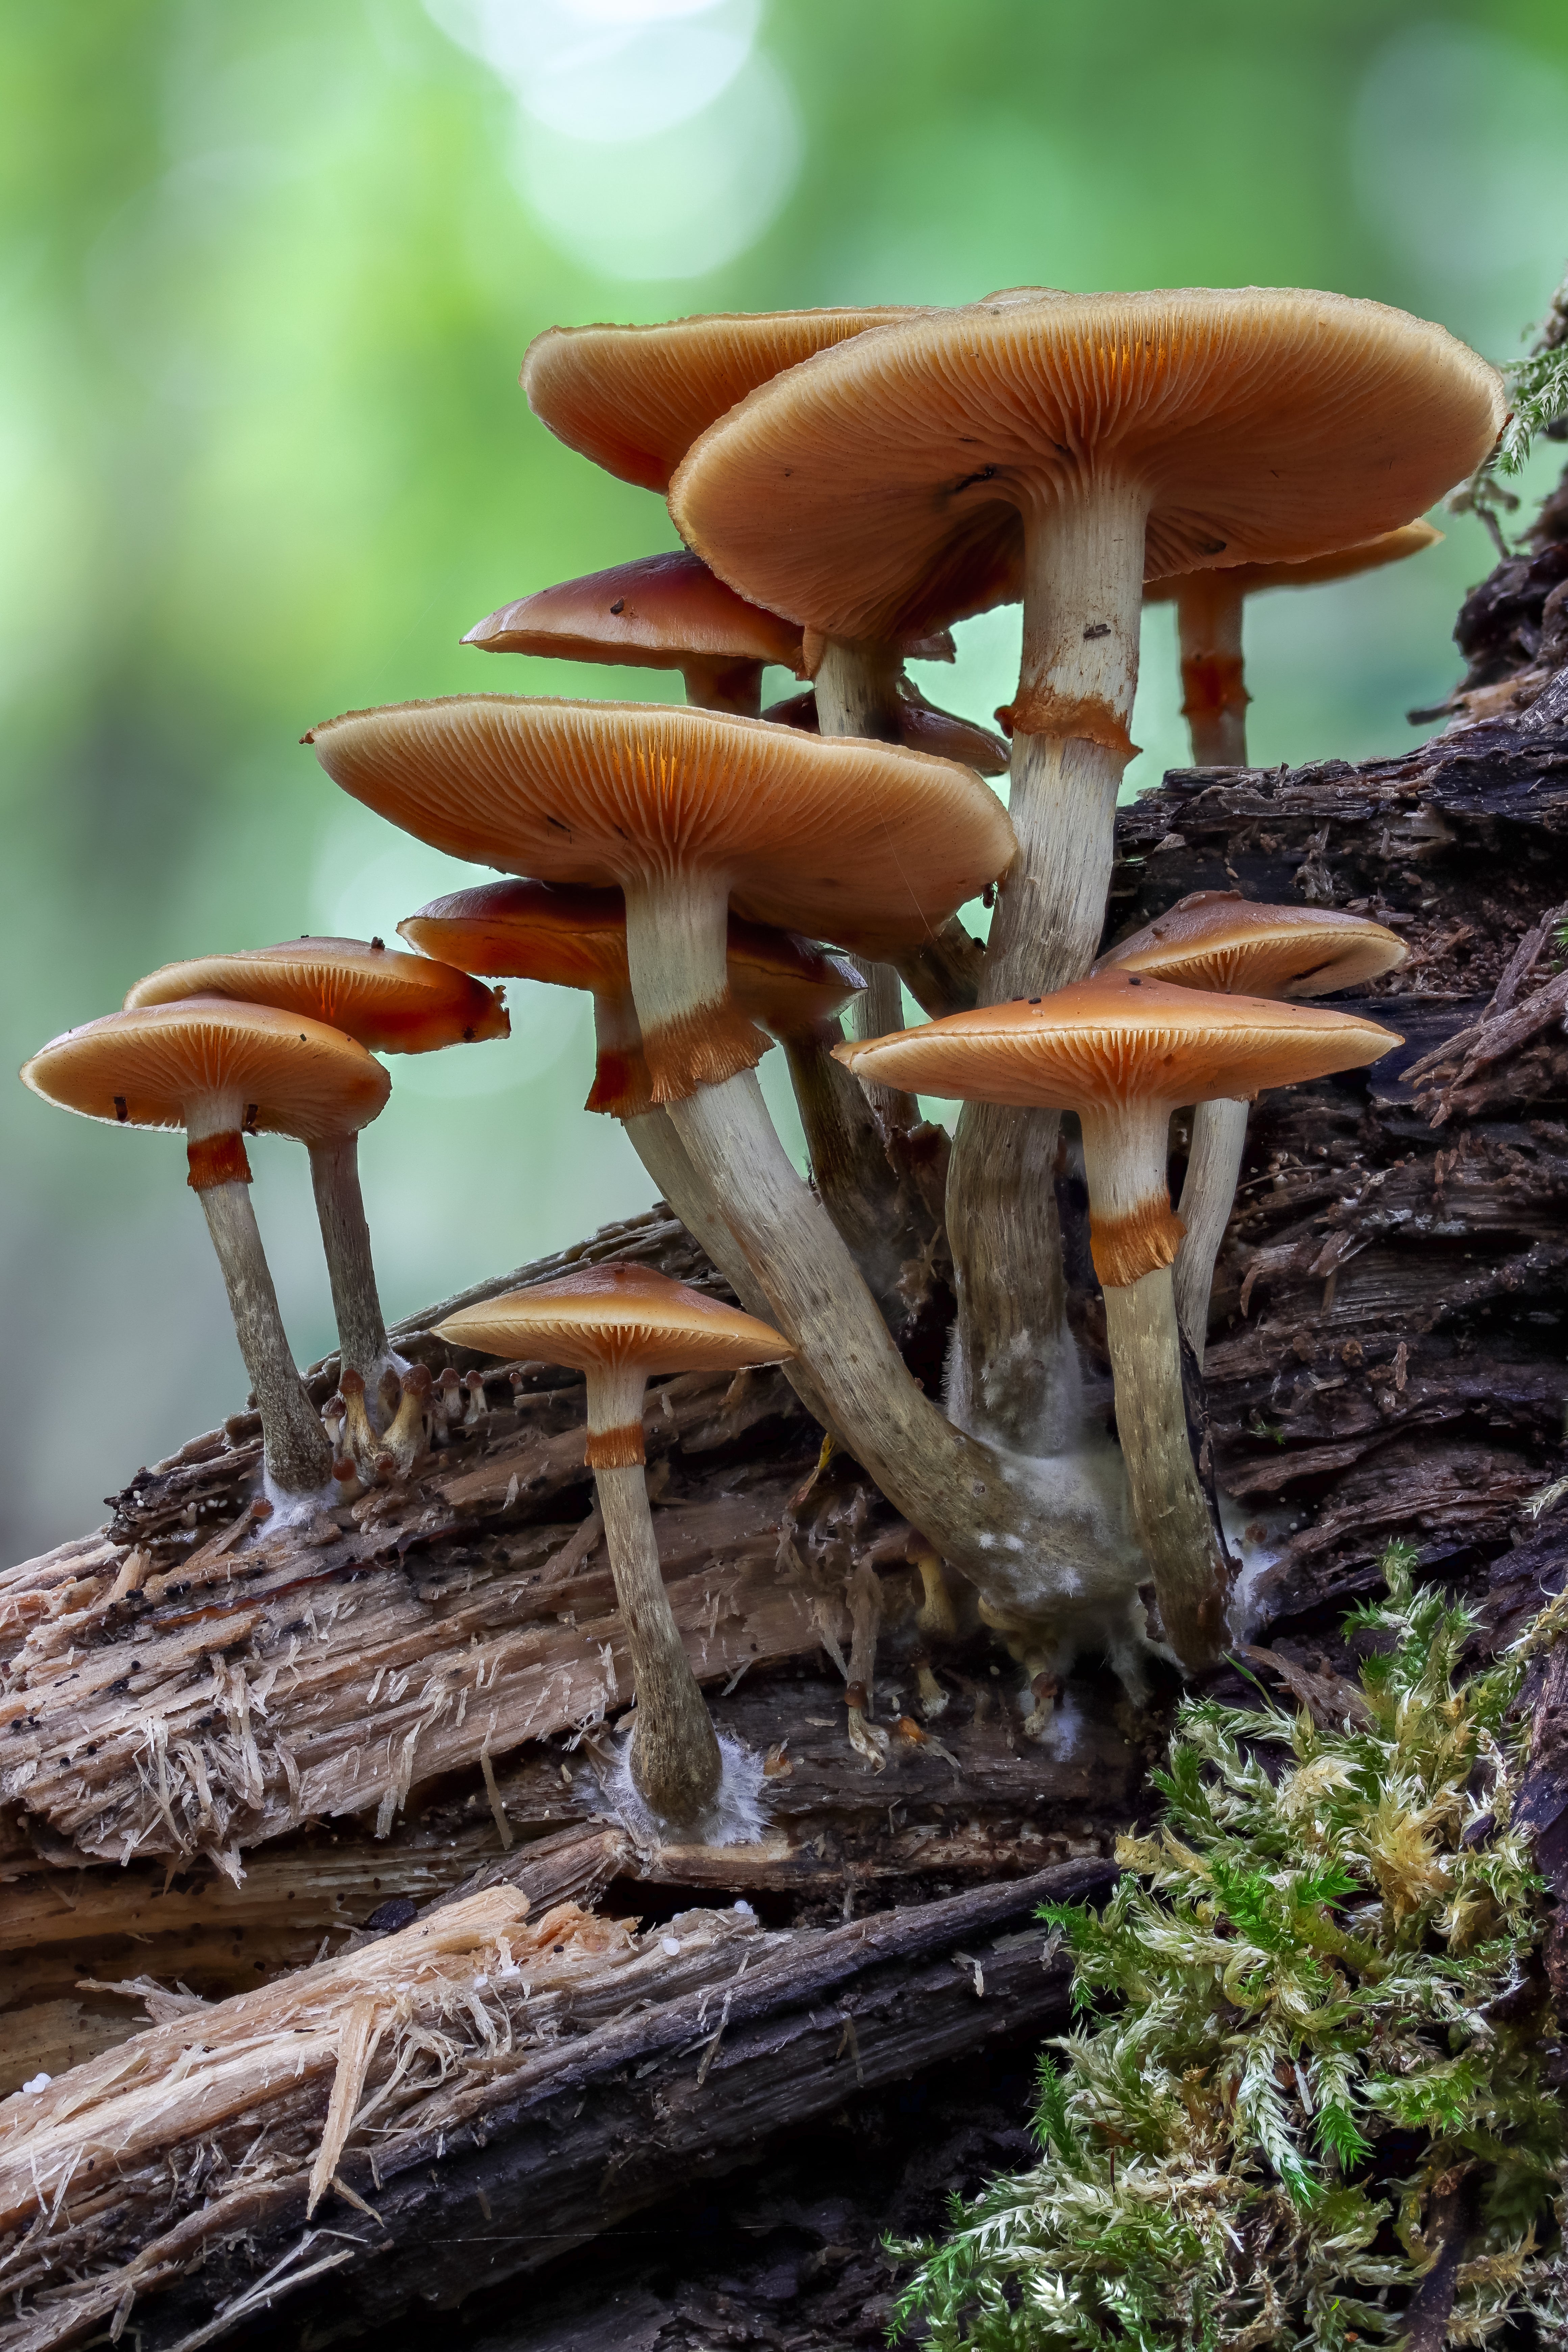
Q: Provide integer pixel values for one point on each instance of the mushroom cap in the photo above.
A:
(860, 842)
(616, 1317)
(394, 1003)
(295, 1076)
(1114, 1040)
(577, 939)
(1342, 563)
(634, 399)
(1216, 939)
(655, 614)
(1264, 424)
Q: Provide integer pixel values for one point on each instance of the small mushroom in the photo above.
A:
(621, 1325)
(1124, 1052)
(661, 612)
(1208, 620)
(222, 1071)
(392, 1003)
(1217, 939)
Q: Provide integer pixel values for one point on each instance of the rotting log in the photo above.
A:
(562, 2087)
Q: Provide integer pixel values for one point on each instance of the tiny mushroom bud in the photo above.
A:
(1217, 939)
(621, 1323)
(1124, 1052)
(223, 1070)
(392, 1004)
(1208, 618)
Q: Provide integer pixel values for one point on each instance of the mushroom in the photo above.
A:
(622, 1324)
(392, 1003)
(577, 939)
(223, 1071)
(634, 399)
(1216, 938)
(1083, 443)
(1208, 620)
(866, 845)
(921, 728)
(662, 611)
(1124, 1052)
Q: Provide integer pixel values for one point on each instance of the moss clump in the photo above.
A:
(1324, 2035)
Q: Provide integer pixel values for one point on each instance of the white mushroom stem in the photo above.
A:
(1134, 1238)
(620, 1069)
(295, 1446)
(1082, 605)
(1214, 1166)
(857, 694)
(675, 1762)
(363, 1345)
(1214, 677)
(692, 1033)
(849, 1164)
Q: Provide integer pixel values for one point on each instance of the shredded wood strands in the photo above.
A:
(326, 1668)
(1322, 2074)
(116, 2176)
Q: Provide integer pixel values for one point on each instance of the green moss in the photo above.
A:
(1313, 2000)
(1538, 397)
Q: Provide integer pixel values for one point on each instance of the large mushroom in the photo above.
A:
(661, 612)
(577, 939)
(1085, 442)
(392, 1003)
(223, 1071)
(621, 1326)
(1124, 1052)
(1217, 939)
(686, 810)
(634, 399)
(1208, 622)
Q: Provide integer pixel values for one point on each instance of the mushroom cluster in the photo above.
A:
(848, 485)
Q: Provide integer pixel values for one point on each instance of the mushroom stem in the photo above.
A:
(1133, 1237)
(1214, 680)
(857, 694)
(363, 1344)
(653, 1138)
(1027, 1534)
(295, 1446)
(1082, 606)
(945, 973)
(849, 1164)
(1214, 1165)
(736, 686)
(675, 1762)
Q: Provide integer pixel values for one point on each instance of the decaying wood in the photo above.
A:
(464, 2098)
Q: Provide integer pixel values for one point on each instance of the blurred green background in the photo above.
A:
(268, 275)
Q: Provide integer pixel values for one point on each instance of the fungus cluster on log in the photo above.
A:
(387, 1580)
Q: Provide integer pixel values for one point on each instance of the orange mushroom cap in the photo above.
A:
(614, 1316)
(634, 399)
(1264, 424)
(921, 728)
(1115, 1039)
(860, 842)
(1217, 939)
(394, 1003)
(1340, 563)
(287, 1075)
(659, 612)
